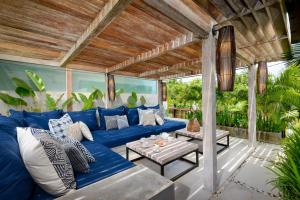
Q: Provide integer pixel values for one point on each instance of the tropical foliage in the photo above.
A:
(133, 99)
(287, 168)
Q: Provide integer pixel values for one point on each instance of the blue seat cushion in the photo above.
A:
(168, 126)
(107, 164)
(88, 117)
(16, 182)
(115, 137)
(133, 115)
(109, 112)
(8, 125)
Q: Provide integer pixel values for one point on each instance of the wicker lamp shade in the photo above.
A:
(111, 87)
(164, 91)
(262, 77)
(225, 58)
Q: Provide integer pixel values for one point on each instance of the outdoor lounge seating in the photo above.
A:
(107, 162)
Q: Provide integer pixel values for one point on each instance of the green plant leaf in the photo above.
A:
(96, 95)
(51, 104)
(119, 92)
(22, 88)
(75, 97)
(134, 95)
(83, 97)
(59, 98)
(37, 80)
(131, 102)
(68, 102)
(12, 101)
(143, 100)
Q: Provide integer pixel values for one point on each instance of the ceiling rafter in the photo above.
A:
(107, 14)
(179, 42)
(182, 65)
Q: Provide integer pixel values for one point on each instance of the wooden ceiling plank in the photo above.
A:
(108, 13)
(179, 42)
(169, 68)
(28, 60)
(178, 17)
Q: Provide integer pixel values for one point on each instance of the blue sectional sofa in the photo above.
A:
(16, 182)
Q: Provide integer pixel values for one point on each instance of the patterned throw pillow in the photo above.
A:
(59, 126)
(122, 121)
(158, 119)
(111, 122)
(89, 157)
(86, 131)
(77, 158)
(74, 131)
(46, 161)
(149, 119)
(142, 113)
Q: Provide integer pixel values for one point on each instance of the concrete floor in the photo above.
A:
(242, 173)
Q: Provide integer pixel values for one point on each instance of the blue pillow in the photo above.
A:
(152, 107)
(133, 115)
(88, 117)
(109, 112)
(54, 114)
(8, 125)
(40, 122)
(18, 115)
(16, 182)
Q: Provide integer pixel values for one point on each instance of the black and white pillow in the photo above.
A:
(59, 127)
(89, 157)
(77, 158)
(46, 161)
(122, 121)
(111, 122)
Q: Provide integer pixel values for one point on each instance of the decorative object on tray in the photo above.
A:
(194, 115)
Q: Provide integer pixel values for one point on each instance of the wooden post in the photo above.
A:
(251, 105)
(69, 86)
(209, 112)
(159, 93)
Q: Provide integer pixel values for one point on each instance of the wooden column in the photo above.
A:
(159, 93)
(252, 105)
(209, 112)
(69, 86)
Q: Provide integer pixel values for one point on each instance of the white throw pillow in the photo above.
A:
(142, 113)
(159, 120)
(86, 131)
(46, 161)
(149, 119)
(122, 121)
(74, 131)
(59, 126)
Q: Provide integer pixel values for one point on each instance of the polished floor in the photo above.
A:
(242, 173)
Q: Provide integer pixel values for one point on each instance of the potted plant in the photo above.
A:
(193, 124)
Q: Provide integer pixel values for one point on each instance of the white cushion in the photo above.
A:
(159, 120)
(59, 126)
(142, 113)
(74, 131)
(46, 161)
(149, 119)
(86, 131)
(122, 121)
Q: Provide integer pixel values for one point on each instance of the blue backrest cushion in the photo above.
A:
(152, 107)
(16, 182)
(18, 115)
(109, 112)
(88, 117)
(8, 125)
(133, 115)
(54, 114)
(40, 122)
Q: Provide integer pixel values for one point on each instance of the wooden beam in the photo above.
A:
(169, 68)
(178, 17)
(108, 13)
(29, 60)
(179, 42)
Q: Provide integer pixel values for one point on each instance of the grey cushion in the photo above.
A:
(111, 122)
(77, 158)
(57, 156)
(122, 121)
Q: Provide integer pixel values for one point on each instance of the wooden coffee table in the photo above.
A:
(220, 134)
(172, 151)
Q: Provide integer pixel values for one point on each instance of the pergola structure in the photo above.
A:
(153, 39)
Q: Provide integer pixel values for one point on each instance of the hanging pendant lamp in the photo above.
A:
(262, 77)
(111, 87)
(225, 58)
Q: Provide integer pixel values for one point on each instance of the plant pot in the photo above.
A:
(193, 126)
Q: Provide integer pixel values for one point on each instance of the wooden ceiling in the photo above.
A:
(154, 39)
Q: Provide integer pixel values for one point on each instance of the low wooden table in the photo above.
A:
(199, 136)
(174, 150)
